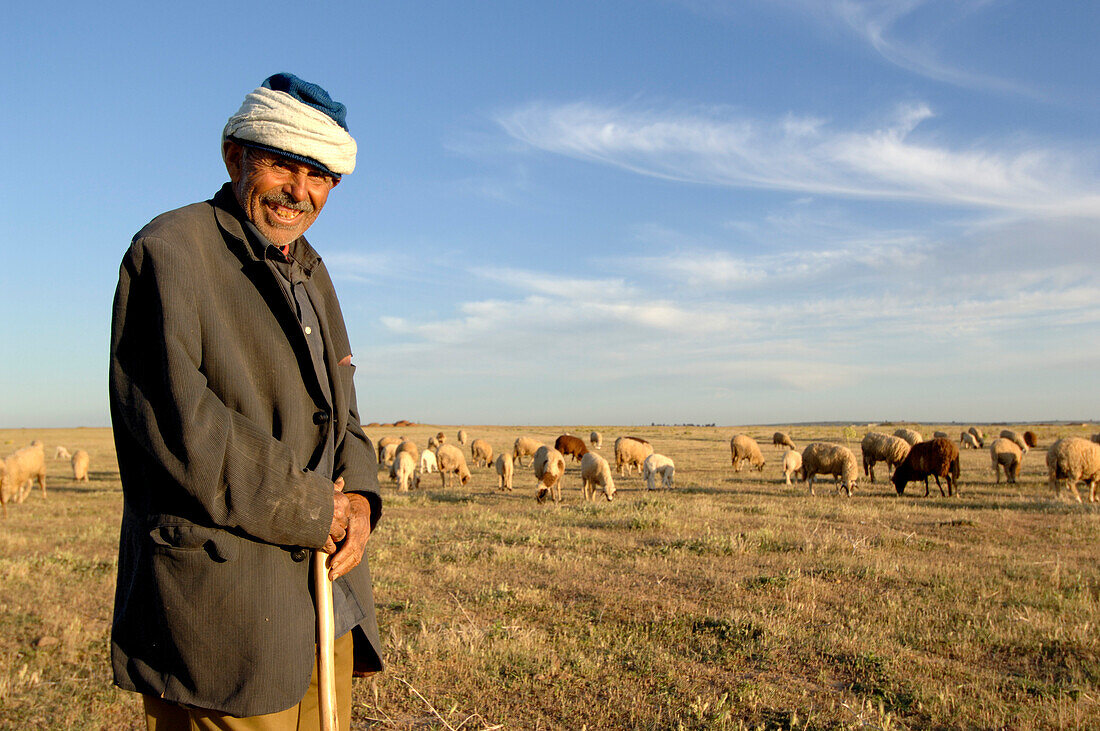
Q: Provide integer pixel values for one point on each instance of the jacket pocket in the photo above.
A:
(177, 537)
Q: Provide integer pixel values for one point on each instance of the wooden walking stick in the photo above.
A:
(326, 639)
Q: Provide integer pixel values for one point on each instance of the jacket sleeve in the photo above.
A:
(357, 463)
(236, 471)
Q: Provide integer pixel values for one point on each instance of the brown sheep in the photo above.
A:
(934, 458)
(782, 439)
(1031, 439)
(744, 448)
(570, 445)
(482, 453)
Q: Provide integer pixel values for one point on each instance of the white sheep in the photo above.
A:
(549, 473)
(744, 448)
(792, 465)
(1016, 438)
(978, 435)
(630, 452)
(504, 472)
(1074, 460)
(387, 454)
(524, 447)
(385, 442)
(462, 437)
(879, 447)
(482, 453)
(450, 459)
(1006, 453)
(969, 441)
(404, 471)
(910, 435)
(61, 453)
(596, 440)
(830, 459)
(20, 469)
(595, 472)
(658, 465)
(80, 462)
(427, 462)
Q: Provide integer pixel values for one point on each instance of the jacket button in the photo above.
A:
(321, 417)
(298, 554)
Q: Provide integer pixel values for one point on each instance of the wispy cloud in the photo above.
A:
(718, 147)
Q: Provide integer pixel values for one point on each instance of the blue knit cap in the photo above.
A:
(308, 93)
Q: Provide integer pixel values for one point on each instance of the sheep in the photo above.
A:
(936, 458)
(1006, 453)
(80, 462)
(969, 441)
(385, 442)
(427, 462)
(1031, 439)
(450, 459)
(782, 439)
(482, 453)
(549, 473)
(819, 458)
(744, 448)
(1015, 437)
(7, 494)
(524, 447)
(1096, 438)
(504, 472)
(403, 472)
(630, 452)
(441, 438)
(595, 472)
(21, 468)
(940, 435)
(596, 440)
(387, 454)
(910, 435)
(792, 465)
(405, 447)
(658, 465)
(1074, 460)
(462, 437)
(570, 445)
(978, 436)
(433, 443)
(61, 453)
(879, 447)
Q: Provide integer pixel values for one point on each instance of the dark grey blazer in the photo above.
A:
(218, 416)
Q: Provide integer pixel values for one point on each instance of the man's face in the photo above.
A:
(282, 197)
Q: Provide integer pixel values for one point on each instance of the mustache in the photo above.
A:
(281, 198)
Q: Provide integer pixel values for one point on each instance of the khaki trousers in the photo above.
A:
(160, 715)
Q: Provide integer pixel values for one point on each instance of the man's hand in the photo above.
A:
(351, 526)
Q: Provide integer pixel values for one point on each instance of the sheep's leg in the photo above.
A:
(1071, 483)
(941, 486)
(812, 485)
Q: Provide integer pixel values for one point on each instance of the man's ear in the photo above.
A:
(336, 181)
(231, 154)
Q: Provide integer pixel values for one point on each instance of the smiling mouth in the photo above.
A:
(284, 214)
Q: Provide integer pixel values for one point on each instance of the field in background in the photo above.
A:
(731, 601)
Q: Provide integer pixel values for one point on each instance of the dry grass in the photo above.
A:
(731, 601)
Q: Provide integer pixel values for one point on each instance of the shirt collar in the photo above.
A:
(236, 223)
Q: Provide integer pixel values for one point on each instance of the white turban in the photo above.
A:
(278, 121)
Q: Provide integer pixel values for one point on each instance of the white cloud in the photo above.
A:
(807, 156)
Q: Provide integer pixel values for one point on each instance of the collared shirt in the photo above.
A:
(292, 279)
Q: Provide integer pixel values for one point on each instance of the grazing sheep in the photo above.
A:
(934, 458)
(1031, 439)
(524, 447)
(387, 455)
(879, 447)
(570, 445)
(910, 435)
(403, 472)
(819, 458)
(7, 494)
(630, 452)
(1007, 454)
(20, 471)
(549, 473)
(385, 442)
(433, 443)
(482, 453)
(940, 435)
(504, 472)
(61, 453)
(1096, 438)
(462, 437)
(450, 459)
(978, 435)
(744, 448)
(406, 447)
(427, 462)
(1015, 437)
(969, 441)
(1074, 460)
(80, 462)
(595, 472)
(782, 439)
(658, 465)
(792, 465)
(596, 440)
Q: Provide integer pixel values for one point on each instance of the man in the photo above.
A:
(236, 426)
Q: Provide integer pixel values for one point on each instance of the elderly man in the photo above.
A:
(238, 437)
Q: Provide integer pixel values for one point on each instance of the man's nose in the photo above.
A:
(296, 186)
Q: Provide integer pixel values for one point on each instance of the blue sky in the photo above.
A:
(600, 212)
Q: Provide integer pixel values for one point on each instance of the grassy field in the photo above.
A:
(731, 601)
